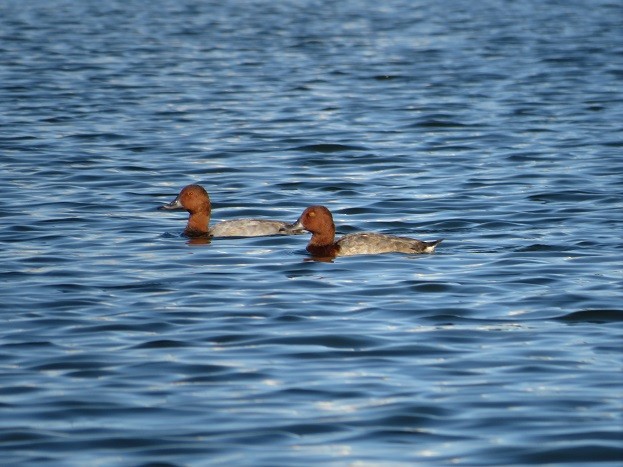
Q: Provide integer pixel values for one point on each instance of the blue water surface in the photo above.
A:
(495, 125)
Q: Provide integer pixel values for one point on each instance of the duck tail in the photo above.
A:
(430, 246)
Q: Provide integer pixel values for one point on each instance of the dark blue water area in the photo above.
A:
(496, 125)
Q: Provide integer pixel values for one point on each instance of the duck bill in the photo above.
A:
(175, 204)
(294, 228)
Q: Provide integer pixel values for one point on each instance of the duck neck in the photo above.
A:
(197, 224)
(322, 243)
(323, 251)
(323, 238)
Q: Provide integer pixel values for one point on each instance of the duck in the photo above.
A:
(319, 221)
(195, 200)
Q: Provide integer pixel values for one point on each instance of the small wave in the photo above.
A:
(328, 147)
(595, 316)
(436, 123)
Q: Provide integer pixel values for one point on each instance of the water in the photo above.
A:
(494, 124)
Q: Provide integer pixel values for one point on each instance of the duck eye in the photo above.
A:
(311, 214)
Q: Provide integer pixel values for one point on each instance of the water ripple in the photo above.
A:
(124, 342)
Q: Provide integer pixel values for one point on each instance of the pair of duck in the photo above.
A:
(315, 219)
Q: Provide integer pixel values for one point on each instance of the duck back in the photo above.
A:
(370, 243)
(250, 228)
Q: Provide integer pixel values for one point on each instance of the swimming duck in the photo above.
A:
(195, 200)
(319, 221)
